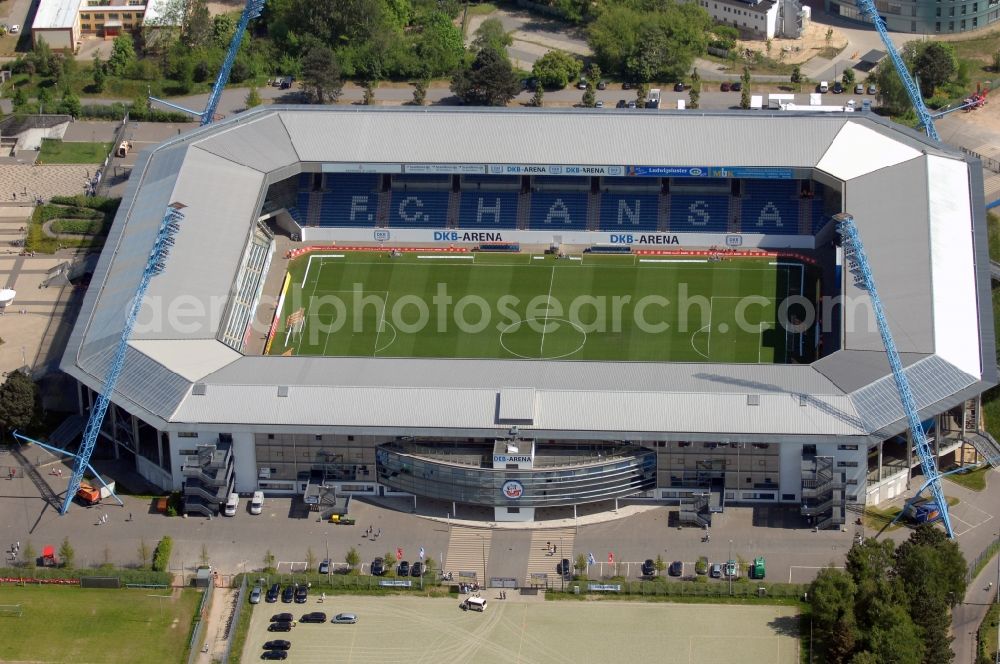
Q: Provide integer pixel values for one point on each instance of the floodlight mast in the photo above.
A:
(155, 264)
(857, 260)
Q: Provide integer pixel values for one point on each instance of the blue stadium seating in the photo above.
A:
(488, 209)
(699, 213)
(351, 199)
(418, 209)
(624, 211)
(770, 206)
(565, 210)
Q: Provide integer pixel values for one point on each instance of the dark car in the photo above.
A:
(417, 569)
(324, 567)
(736, 86)
(601, 85)
(403, 569)
(838, 88)
(288, 594)
(274, 654)
(715, 571)
(676, 568)
(301, 593)
(648, 567)
(626, 85)
(272, 594)
(621, 103)
(725, 87)
(378, 567)
(282, 617)
(314, 617)
(277, 645)
(283, 626)
(678, 87)
(565, 568)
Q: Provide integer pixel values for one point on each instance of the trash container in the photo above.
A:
(576, 590)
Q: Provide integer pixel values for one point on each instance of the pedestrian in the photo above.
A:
(129, 516)
(548, 548)
(17, 547)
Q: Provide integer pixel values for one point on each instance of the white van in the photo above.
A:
(824, 86)
(257, 502)
(232, 503)
(474, 604)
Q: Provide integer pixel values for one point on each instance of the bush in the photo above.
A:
(78, 226)
(161, 557)
(137, 576)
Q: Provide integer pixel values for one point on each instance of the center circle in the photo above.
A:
(562, 338)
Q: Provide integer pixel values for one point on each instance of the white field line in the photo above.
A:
(309, 264)
(447, 258)
(548, 302)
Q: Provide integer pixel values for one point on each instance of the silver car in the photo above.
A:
(345, 618)
(255, 595)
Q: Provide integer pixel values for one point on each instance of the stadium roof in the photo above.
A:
(918, 206)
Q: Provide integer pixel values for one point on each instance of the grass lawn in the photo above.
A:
(70, 624)
(988, 633)
(974, 480)
(507, 306)
(58, 152)
(991, 399)
(880, 519)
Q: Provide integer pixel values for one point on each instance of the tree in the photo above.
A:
(223, 29)
(659, 564)
(744, 98)
(44, 99)
(539, 97)
(122, 54)
(892, 94)
(67, 554)
(420, 92)
(556, 69)
(491, 34)
(352, 558)
(829, 35)
(439, 47)
(580, 564)
(796, 74)
(390, 562)
(870, 565)
(589, 99)
(196, 29)
(893, 637)
(641, 92)
(694, 96)
(368, 97)
(30, 555)
(70, 105)
(19, 98)
(934, 65)
(865, 657)
(18, 398)
(746, 77)
(831, 597)
(488, 81)
(848, 78)
(269, 561)
(321, 75)
(99, 75)
(253, 98)
(310, 559)
(144, 553)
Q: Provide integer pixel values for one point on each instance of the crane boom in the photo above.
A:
(169, 226)
(250, 11)
(854, 252)
(912, 90)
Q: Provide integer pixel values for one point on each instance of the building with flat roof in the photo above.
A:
(821, 430)
(63, 23)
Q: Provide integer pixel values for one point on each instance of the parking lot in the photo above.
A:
(415, 629)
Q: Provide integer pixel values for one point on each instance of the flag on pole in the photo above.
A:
(399, 553)
(421, 553)
(590, 559)
(611, 557)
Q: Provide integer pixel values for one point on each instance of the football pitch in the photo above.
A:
(531, 306)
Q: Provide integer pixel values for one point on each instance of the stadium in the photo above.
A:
(514, 314)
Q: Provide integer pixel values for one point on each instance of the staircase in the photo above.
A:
(315, 211)
(822, 492)
(523, 210)
(594, 211)
(382, 216)
(466, 548)
(805, 216)
(735, 214)
(697, 512)
(540, 562)
(663, 214)
(986, 445)
(454, 205)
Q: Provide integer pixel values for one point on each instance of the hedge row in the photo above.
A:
(117, 111)
(161, 557)
(138, 576)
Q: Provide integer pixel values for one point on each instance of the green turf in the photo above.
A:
(71, 624)
(611, 308)
(55, 151)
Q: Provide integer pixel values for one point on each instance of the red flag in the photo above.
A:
(399, 553)
(611, 557)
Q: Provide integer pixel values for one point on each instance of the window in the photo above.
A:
(975, 21)
(951, 26)
(319, 437)
(350, 438)
(513, 510)
(847, 447)
(951, 12)
(847, 464)
(99, 17)
(85, 26)
(270, 436)
(187, 452)
(964, 8)
(788, 496)
(937, 27)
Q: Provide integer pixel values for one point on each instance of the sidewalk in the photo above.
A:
(967, 616)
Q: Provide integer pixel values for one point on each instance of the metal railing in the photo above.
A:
(976, 565)
(234, 621)
(199, 627)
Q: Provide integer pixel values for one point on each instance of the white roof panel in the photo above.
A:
(858, 150)
(192, 359)
(55, 14)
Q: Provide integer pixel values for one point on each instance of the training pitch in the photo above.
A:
(412, 629)
(510, 306)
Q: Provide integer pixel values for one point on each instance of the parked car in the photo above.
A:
(345, 618)
(859, 89)
(277, 645)
(837, 87)
(725, 87)
(274, 654)
(678, 87)
(255, 595)
(731, 570)
(282, 617)
(649, 567)
(626, 85)
(676, 568)
(403, 569)
(602, 85)
(14, 29)
(417, 569)
(324, 567)
(301, 593)
(871, 89)
(736, 86)
(314, 617)
(288, 594)
(378, 567)
(257, 502)
(715, 571)
(599, 104)
(232, 503)
(283, 626)
(272, 593)
(621, 103)
(582, 85)
(631, 104)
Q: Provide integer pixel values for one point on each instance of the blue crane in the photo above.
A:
(857, 262)
(155, 264)
(250, 11)
(912, 90)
